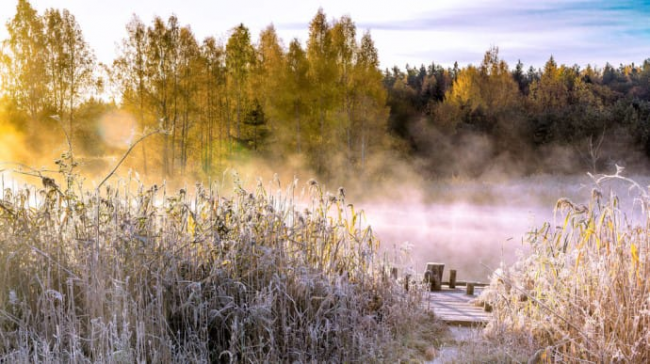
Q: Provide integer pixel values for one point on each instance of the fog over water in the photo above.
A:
(472, 239)
(473, 226)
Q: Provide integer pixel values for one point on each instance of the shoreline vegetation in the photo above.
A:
(581, 294)
(286, 273)
(135, 274)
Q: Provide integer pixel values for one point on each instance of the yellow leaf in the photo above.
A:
(587, 235)
(635, 254)
(191, 224)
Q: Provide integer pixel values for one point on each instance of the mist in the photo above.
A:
(475, 225)
(472, 226)
(472, 223)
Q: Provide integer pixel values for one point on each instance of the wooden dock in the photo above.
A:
(450, 300)
(452, 306)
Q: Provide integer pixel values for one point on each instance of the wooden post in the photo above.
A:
(393, 273)
(433, 283)
(487, 307)
(435, 277)
(427, 277)
(407, 277)
(452, 278)
(470, 289)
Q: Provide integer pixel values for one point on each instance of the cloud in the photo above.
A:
(500, 16)
(576, 31)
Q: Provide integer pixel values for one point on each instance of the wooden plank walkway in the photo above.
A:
(453, 307)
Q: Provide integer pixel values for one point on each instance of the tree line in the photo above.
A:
(458, 120)
(217, 102)
(327, 104)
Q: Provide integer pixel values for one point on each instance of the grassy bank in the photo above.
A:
(582, 293)
(143, 274)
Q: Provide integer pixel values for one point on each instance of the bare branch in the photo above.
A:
(143, 137)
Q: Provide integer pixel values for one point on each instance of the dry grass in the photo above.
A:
(145, 275)
(583, 294)
(474, 347)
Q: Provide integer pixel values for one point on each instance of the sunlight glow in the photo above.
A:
(117, 128)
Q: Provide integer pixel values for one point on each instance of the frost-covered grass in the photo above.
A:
(135, 274)
(582, 294)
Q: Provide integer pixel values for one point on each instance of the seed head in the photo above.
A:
(596, 194)
(564, 203)
(49, 183)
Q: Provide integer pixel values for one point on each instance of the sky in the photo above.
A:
(411, 32)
